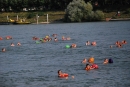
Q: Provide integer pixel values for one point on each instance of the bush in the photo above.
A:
(128, 11)
(31, 15)
(99, 15)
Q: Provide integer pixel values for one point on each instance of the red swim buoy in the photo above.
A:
(1, 38)
(94, 66)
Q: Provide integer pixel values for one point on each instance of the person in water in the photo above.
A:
(55, 39)
(3, 49)
(19, 44)
(84, 61)
(73, 45)
(61, 74)
(87, 43)
(94, 43)
(88, 67)
(12, 44)
(106, 61)
(124, 42)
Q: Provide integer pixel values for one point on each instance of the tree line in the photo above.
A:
(18, 5)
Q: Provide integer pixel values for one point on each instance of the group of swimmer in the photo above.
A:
(7, 38)
(48, 38)
(89, 66)
(120, 43)
(89, 62)
(12, 44)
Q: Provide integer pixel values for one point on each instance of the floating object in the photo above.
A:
(94, 66)
(1, 38)
(64, 75)
(37, 42)
(9, 37)
(110, 60)
(91, 60)
(67, 46)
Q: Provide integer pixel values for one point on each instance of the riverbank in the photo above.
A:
(53, 16)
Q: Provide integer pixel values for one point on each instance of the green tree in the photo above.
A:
(79, 11)
(76, 11)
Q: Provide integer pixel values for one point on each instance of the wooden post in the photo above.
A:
(47, 18)
(17, 18)
(7, 18)
(37, 18)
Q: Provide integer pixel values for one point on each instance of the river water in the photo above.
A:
(36, 65)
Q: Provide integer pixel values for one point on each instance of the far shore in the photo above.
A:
(54, 22)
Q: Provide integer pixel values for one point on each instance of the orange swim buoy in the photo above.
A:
(91, 60)
(63, 75)
(8, 37)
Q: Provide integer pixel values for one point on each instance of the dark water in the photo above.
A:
(36, 65)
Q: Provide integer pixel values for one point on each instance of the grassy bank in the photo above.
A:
(53, 16)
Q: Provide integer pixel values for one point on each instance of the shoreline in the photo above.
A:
(53, 22)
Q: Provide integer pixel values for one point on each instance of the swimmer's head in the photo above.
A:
(87, 65)
(59, 71)
(3, 49)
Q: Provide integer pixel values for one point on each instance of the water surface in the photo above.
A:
(36, 65)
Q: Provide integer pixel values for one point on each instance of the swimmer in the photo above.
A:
(12, 44)
(68, 38)
(119, 45)
(105, 61)
(19, 44)
(8, 37)
(87, 43)
(111, 46)
(35, 38)
(61, 74)
(73, 46)
(54, 35)
(124, 42)
(55, 39)
(84, 61)
(63, 38)
(3, 49)
(88, 67)
(94, 43)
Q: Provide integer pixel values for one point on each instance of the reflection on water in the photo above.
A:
(36, 65)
